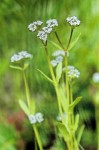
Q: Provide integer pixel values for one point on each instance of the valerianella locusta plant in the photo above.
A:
(52, 23)
(34, 26)
(73, 21)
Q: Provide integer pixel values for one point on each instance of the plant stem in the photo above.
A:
(69, 39)
(28, 102)
(54, 80)
(59, 40)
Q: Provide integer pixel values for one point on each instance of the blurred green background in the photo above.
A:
(15, 16)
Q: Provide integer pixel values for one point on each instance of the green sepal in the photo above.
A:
(74, 42)
(16, 67)
(58, 71)
(74, 103)
(24, 107)
(45, 76)
(63, 131)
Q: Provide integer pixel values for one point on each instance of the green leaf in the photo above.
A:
(56, 45)
(16, 67)
(76, 122)
(74, 103)
(80, 132)
(63, 99)
(24, 107)
(45, 76)
(74, 42)
(58, 71)
(64, 131)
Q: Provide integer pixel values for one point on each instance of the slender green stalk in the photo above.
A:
(59, 40)
(69, 39)
(55, 82)
(28, 102)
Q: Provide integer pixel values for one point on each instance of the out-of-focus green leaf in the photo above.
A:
(16, 67)
(80, 132)
(45, 76)
(24, 107)
(56, 45)
(58, 71)
(64, 131)
(32, 106)
(76, 122)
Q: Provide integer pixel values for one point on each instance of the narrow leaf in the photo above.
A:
(58, 71)
(74, 103)
(76, 122)
(16, 67)
(64, 131)
(74, 42)
(32, 106)
(45, 76)
(80, 132)
(24, 107)
(56, 45)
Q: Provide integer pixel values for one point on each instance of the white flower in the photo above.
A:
(42, 36)
(47, 29)
(96, 77)
(32, 119)
(39, 117)
(33, 26)
(73, 21)
(59, 59)
(54, 63)
(59, 117)
(72, 72)
(52, 23)
(21, 55)
(58, 52)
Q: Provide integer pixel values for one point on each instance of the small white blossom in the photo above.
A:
(59, 59)
(33, 26)
(72, 72)
(32, 119)
(52, 23)
(21, 55)
(42, 36)
(59, 117)
(47, 29)
(58, 52)
(73, 21)
(39, 117)
(96, 77)
(54, 63)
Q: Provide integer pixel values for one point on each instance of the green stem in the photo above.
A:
(54, 80)
(69, 39)
(59, 40)
(37, 137)
(28, 102)
(26, 89)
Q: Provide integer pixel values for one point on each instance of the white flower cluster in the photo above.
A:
(52, 23)
(21, 55)
(59, 57)
(33, 26)
(59, 118)
(73, 21)
(72, 72)
(96, 77)
(43, 34)
(37, 118)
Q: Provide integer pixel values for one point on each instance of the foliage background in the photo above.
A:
(15, 15)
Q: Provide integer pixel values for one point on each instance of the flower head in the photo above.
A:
(58, 53)
(42, 36)
(96, 77)
(47, 29)
(52, 23)
(39, 117)
(73, 21)
(36, 118)
(20, 56)
(32, 119)
(33, 26)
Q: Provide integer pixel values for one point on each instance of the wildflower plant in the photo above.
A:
(58, 67)
(62, 77)
(21, 62)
